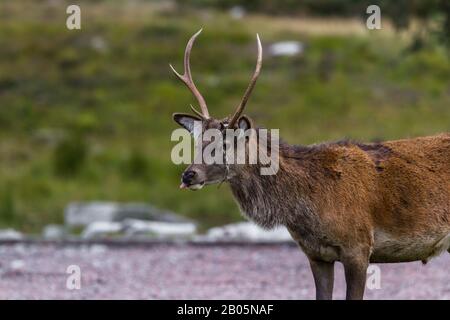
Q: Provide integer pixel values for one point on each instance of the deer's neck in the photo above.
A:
(271, 200)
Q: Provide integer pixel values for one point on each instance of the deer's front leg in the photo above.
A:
(355, 267)
(323, 273)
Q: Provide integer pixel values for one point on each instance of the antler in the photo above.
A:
(250, 87)
(187, 79)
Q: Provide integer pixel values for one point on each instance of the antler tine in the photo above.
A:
(187, 77)
(250, 87)
(197, 112)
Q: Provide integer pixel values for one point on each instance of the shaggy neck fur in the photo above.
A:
(271, 200)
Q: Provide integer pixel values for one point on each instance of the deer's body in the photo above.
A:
(350, 202)
(391, 199)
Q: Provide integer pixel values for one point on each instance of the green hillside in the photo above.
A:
(86, 114)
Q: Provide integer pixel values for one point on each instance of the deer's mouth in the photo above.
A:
(194, 187)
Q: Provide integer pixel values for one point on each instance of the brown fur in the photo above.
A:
(353, 202)
(342, 193)
(345, 201)
(348, 201)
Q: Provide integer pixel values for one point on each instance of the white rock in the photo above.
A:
(10, 234)
(17, 265)
(143, 211)
(53, 232)
(160, 229)
(82, 214)
(247, 231)
(99, 44)
(286, 48)
(101, 228)
(237, 12)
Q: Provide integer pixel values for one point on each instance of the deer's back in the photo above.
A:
(411, 209)
(393, 195)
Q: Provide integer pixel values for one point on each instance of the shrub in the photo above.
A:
(69, 156)
(136, 165)
(7, 205)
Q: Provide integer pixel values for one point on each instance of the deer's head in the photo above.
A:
(200, 173)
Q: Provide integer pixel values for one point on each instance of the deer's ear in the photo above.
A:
(245, 123)
(186, 120)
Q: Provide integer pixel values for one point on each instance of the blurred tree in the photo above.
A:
(136, 165)
(401, 12)
(69, 156)
(7, 205)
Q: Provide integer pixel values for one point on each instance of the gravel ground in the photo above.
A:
(38, 271)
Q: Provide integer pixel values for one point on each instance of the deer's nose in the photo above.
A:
(188, 176)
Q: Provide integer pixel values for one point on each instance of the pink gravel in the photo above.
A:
(38, 271)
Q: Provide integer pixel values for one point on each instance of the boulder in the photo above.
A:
(286, 48)
(82, 214)
(247, 231)
(237, 12)
(54, 232)
(142, 211)
(159, 229)
(101, 228)
(10, 234)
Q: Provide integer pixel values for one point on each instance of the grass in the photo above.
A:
(86, 114)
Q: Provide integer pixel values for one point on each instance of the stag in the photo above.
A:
(346, 201)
